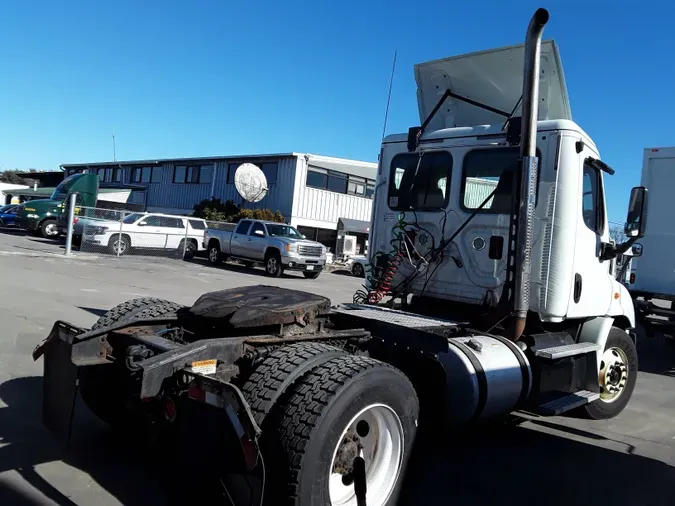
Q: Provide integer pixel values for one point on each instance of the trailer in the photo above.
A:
(653, 273)
(470, 311)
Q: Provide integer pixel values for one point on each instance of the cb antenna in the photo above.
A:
(391, 82)
(114, 153)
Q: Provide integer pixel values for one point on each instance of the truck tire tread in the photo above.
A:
(265, 385)
(306, 406)
(129, 309)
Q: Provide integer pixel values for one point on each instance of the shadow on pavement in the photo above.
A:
(521, 466)
(124, 471)
(483, 466)
(656, 355)
(242, 269)
(95, 311)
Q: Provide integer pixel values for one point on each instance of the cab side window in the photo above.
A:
(257, 227)
(592, 200)
(243, 227)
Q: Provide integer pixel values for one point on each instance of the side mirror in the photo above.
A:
(260, 233)
(637, 250)
(303, 237)
(636, 219)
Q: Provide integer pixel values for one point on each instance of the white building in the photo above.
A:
(317, 194)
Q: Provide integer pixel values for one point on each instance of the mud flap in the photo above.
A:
(59, 382)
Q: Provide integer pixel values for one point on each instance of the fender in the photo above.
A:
(596, 331)
(622, 304)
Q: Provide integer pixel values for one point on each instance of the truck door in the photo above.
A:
(257, 241)
(592, 287)
(175, 231)
(149, 233)
(239, 241)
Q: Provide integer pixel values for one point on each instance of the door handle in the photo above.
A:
(577, 287)
(250, 240)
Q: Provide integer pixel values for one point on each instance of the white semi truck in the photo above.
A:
(508, 305)
(652, 273)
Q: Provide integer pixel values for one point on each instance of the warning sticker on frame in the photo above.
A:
(389, 217)
(204, 367)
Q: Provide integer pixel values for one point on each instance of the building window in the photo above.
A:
(193, 174)
(317, 178)
(339, 182)
(156, 176)
(145, 174)
(109, 174)
(206, 174)
(231, 169)
(356, 186)
(270, 169)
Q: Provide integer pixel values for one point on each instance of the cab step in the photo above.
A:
(567, 403)
(567, 350)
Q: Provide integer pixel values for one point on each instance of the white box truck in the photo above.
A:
(653, 273)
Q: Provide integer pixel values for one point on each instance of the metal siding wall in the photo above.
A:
(279, 197)
(326, 206)
(176, 196)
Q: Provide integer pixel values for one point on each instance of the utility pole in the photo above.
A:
(113, 139)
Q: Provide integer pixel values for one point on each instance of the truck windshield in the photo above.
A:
(283, 231)
(61, 191)
(132, 218)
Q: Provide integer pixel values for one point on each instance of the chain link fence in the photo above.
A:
(127, 233)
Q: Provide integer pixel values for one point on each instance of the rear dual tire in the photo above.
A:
(313, 431)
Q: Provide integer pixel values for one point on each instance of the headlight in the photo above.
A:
(100, 230)
(292, 248)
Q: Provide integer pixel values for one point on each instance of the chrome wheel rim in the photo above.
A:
(213, 254)
(272, 265)
(119, 246)
(376, 435)
(613, 375)
(51, 229)
(358, 270)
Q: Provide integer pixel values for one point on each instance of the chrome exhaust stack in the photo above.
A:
(529, 171)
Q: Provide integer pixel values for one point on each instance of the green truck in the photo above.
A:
(42, 216)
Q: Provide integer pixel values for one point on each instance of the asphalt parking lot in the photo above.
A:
(625, 461)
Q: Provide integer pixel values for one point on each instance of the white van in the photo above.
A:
(148, 231)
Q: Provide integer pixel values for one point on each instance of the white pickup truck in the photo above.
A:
(147, 231)
(276, 245)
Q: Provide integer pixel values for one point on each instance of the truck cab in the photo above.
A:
(446, 198)
(42, 216)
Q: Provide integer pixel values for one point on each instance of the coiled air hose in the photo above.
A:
(380, 279)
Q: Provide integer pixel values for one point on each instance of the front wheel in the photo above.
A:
(49, 230)
(358, 270)
(119, 245)
(347, 407)
(618, 373)
(273, 266)
(311, 275)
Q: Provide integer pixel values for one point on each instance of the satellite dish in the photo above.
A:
(250, 182)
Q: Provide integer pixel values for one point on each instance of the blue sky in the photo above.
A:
(200, 78)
